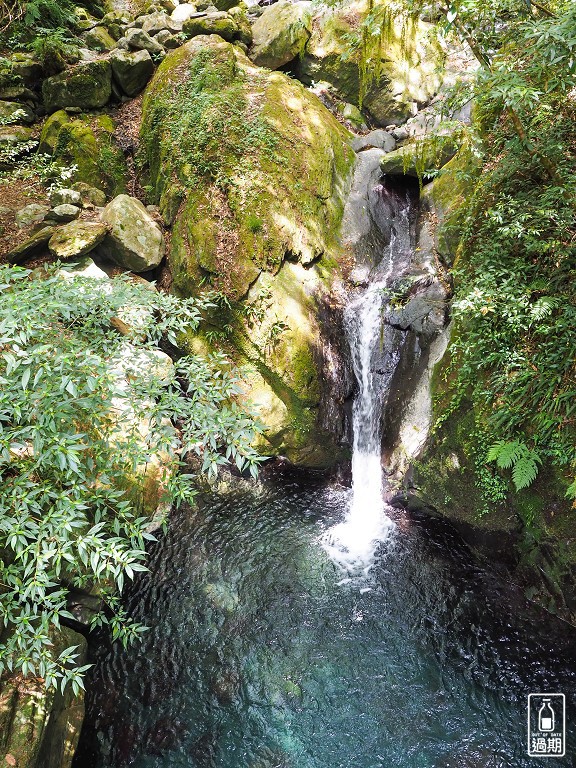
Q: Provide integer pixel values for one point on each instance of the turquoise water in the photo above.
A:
(258, 656)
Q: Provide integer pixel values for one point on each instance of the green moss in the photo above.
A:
(88, 143)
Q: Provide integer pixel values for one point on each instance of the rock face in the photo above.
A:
(86, 86)
(134, 240)
(255, 184)
(131, 70)
(281, 33)
(408, 70)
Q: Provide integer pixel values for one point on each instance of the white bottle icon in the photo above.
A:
(546, 716)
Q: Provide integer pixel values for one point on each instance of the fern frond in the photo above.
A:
(525, 470)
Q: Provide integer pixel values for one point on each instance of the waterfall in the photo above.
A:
(353, 543)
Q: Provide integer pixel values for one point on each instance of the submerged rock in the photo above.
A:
(134, 241)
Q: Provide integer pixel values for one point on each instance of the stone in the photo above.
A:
(132, 70)
(64, 213)
(221, 5)
(18, 93)
(167, 39)
(99, 39)
(156, 22)
(87, 86)
(87, 144)
(431, 152)
(51, 130)
(244, 35)
(13, 112)
(27, 69)
(271, 237)
(14, 135)
(378, 139)
(76, 239)
(31, 214)
(91, 196)
(281, 33)
(31, 246)
(183, 12)
(66, 197)
(169, 5)
(410, 68)
(135, 241)
(351, 113)
(141, 41)
(218, 23)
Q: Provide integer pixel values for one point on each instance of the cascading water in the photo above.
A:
(353, 543)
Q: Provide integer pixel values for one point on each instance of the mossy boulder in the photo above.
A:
(219, 23)
(281, 33)
(13, 112)
(76, 239)
(253, 172)
(99, 39)
(87, 143)
(409, 64)
(87, 86)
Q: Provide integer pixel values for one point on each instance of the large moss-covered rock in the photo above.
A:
(217, 23)
(134, 240)
(253, 171)
(88, 86)
(87, 144)
(76, 239)
(408, 63)
(281, 33)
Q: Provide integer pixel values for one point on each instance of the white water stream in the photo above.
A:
(353, 543)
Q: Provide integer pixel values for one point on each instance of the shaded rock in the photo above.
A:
(64, 213)
(429, 153)
(131, 70)
(281, 33)
(218, 23)
(141, 41)
(99, 39)
(86, 86)
(31, 214)
(135, 241)
(244, 35)
(13, 112)
(30, 247)
(76, 239)
(15, 134)
(378, 139)
(26, 68)
(18, 93)
(65, 197)
(90, 195)
(353, 115)
(409, 71)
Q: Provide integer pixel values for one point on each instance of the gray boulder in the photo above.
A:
(99, 39)
(183, 12)
(156, 22)
(76, 239)
(131, 70)
(65, 197)
(64, 213)
(91, 196)
(87, 86)
(139, 40)
(281, 33)
(167, 39)
(135, 241)
(31, 214)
